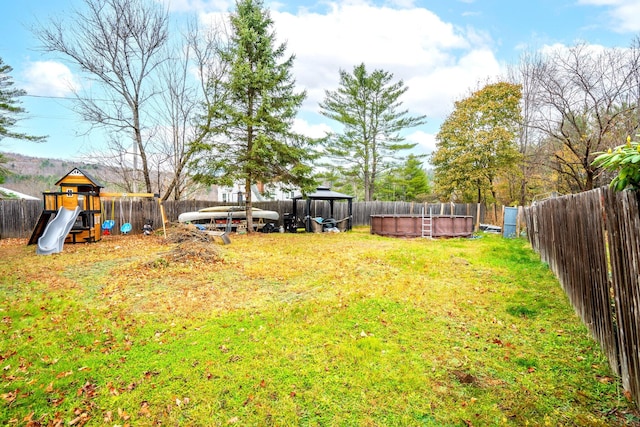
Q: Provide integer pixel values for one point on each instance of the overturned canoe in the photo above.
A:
(222, 214)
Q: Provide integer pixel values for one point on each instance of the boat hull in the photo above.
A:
(219, 216)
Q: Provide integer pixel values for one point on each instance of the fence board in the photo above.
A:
(623, 219)
(18, 217)
(577, 235)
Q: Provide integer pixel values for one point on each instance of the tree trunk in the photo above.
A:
(249, 205)
(141, 151)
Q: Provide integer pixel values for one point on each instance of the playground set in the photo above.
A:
(78, 213)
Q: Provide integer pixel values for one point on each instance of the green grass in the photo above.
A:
(297, 330)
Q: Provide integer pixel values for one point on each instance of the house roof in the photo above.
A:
(6, 193)
(79, 176)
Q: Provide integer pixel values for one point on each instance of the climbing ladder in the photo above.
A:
(427, 224)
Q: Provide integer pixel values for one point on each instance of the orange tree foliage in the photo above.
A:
(476, 145)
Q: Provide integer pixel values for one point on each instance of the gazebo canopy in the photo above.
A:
(323, 193)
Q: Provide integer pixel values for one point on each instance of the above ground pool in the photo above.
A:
(412, 226)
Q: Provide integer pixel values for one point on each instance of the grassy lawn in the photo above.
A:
(296, 330)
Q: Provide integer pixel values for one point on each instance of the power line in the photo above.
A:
(49, 97)
(66, 98)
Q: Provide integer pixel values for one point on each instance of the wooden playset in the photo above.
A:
(78, 212)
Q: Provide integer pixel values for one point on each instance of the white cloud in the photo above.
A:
(426, 141)
(564, 50)
(197, 5)
(624, 13)
(303, 127)
(437, 60)
(49, 78)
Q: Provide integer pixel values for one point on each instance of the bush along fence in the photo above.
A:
(591, 242)
(19, 217)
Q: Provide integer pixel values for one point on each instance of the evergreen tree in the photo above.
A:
(255, 142)
(415, 180)
(10, 110)
(367, 105)
(408, 182)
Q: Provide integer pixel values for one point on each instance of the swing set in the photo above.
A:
(73, 214)
(125, 222)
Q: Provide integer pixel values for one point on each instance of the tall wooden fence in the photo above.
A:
(19, 217)
(591, 241)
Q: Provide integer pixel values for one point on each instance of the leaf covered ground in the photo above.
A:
(296, 329)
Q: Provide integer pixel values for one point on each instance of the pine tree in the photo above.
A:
(254, 121)
(367, 105)
(10, 110)
(415, 179)
(407, 182)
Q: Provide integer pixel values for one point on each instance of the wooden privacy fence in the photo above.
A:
(591, 242)
(19, 217)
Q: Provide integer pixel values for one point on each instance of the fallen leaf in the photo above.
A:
(249, 399)
(605, 380)
(82, 418)
(123, 414)
(10, 397)
(144, 409)
(56, 401)
(64, 374)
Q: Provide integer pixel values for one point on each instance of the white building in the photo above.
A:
(259, 193)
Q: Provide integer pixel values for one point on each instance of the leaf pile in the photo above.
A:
(181, 233)
(193, 251)
(191, 245)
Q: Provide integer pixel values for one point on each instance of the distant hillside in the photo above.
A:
(35, 175)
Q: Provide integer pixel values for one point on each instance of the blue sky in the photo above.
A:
(441, 49)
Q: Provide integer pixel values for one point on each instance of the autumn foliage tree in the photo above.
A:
(476, 145)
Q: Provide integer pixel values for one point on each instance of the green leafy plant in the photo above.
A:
(625, 159)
